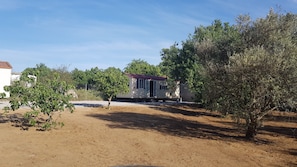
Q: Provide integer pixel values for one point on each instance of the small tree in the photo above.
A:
(111, 82)
(43, 98)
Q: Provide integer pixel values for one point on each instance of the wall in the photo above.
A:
(5, 76)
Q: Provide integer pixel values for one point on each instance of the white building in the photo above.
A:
(5, 76)
(143, 87)
(17, 77)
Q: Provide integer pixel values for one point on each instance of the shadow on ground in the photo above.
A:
(187, 110)
(87, 105)
(134, 166)
(5, 118)
(290, 117)
(272, 130)
(277, 130)
(16, 119)
(291, 152)
(166, 124)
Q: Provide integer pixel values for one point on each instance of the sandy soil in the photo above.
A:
(169, 136)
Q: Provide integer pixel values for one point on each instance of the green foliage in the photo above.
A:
(261, 78)
(245, 69)
(2, 95)
(91, 75)
(44, 98)
(41, 71)
(142, 67)
(169, 62)
(183, 65)
(111, 82)
(84, 79)
(64, 74)
(216, 42)
(80, 78)
(84, 94)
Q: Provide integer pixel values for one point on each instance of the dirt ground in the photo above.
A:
(167, 136)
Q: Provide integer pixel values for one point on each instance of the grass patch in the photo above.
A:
(88, 95)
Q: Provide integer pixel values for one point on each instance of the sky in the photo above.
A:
(84, 34)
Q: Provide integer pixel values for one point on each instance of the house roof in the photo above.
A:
(5, 64)
(147, 77)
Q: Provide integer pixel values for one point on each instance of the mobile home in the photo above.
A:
(144, 87)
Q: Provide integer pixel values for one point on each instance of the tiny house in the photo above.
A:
(144, 87)
(5, 76)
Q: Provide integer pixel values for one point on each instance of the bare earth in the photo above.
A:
(166, 135)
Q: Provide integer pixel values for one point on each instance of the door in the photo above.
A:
(152, 88)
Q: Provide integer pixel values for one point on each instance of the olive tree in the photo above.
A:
(43, 98)
(111, 82)
(252, 84)
(259, 69)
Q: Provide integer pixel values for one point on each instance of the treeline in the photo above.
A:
(85, 79)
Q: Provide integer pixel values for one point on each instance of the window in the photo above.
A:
(140, 83)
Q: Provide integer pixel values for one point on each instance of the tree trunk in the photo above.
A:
(252, 129)
(109, 101)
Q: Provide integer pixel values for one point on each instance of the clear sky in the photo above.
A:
(109, 33)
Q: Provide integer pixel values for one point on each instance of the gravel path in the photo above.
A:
(101, 103)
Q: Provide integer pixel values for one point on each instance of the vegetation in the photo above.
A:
(84, 94)
(44, 98)
(111, 82)
(247, 69)
(85, 79)
(142, 67)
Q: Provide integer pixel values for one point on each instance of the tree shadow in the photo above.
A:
(6, 118)
(135, 166)
(87, 105)
(290, 117)
(292, 152)
(277, 130)
(167, 125)
(16, 119)
(187, 110)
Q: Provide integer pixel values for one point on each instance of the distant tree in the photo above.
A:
(170, 62)
(138, 66)
(41, 71)
(47, 98)
(64, 74)
(262, 77)
(186, 62)
(111, 82)
(79, 78)
(182, 64)
(91, 75)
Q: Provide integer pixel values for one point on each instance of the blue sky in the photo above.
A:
(109, 33)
